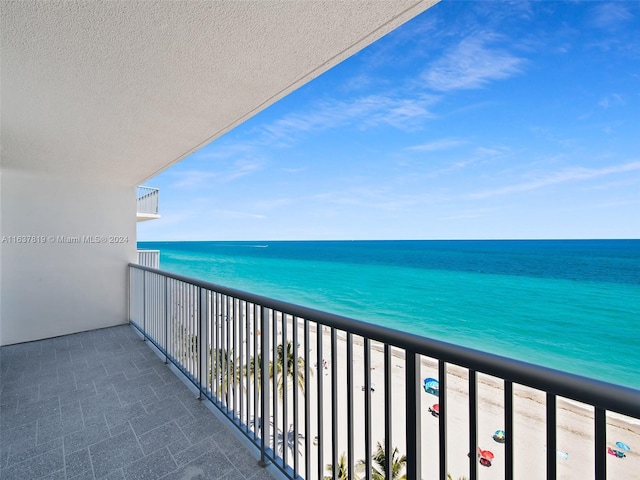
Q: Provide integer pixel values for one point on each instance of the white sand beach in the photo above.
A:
(575, 444)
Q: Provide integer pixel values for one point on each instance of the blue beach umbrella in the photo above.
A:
(431, 385)
(623, 446)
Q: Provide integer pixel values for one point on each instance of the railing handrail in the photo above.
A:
(607, 396)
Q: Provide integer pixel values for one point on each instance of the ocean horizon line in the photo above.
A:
(406, 240)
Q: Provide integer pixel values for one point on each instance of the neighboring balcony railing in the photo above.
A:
(324, 396)
(149, 258)
(147, 200)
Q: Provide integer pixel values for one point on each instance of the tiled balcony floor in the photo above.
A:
(102, 404)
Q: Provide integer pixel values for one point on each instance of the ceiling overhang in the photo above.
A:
(119, 91)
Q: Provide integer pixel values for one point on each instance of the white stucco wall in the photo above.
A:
(56, 286)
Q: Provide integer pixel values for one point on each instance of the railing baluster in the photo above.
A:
(233, 354)
(229, 357)
(296, 373)
(257, 365)
(350, 389)
(144, 305)
(442, 419)
(274, 395)
(508, 428)
(388, 441)
(473, 424)
(367, 407)
(184, 327)
(334, 400)
(307, 402)
(319, 369)
(192, 330)
(202, 361)
(413, 412)
(215, 347)
(166, 319)
(285, 389)
(600, 443)
(551, 436)
(264, 378)
(245, 368)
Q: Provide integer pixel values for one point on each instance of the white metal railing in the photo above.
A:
(149, 258)
(289, 378)
(148, 200)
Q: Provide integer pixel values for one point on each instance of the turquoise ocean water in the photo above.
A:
(567, 304)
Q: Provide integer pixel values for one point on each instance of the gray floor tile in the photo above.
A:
(78, 462)
(89, 435)
(23, 433)
(24, 451)
(211, 465)
(195, 451)
(150, 467)
(56, 426)
(116, 475)
(18, 420)
(57, 475)
(35, 467)
(112, 453)
(242, 460)
(44, 407)
(86, 475)
(102, 404)
(4, 456)
(166, 413)
(118, 414)
(202, 428)
(137, 394)
(162, 436)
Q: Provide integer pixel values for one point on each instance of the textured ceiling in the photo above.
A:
(121, 90)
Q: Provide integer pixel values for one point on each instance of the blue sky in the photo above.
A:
(474, 120)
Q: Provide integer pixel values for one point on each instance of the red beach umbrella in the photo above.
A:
(485, 454)
(436, 407)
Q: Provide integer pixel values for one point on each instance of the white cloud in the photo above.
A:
(368, 111)
(192, 179)
(471, 64)
(221, 173)
(563, 176)
(612, 100)
(438, 145)
(611, 15)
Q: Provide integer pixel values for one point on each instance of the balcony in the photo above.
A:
(101, 404)
(147, 201)
(149, 258)
(354, 394)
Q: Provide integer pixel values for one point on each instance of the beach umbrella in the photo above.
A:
(436, 407)
(431, 385)
(485, 454)
(499, 436)
(623, 446)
